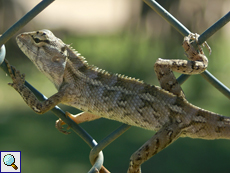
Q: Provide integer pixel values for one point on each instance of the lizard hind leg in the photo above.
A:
(164, 67)
(166, 77)
(79, 118)
(158, 142)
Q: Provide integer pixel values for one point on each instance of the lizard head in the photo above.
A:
(46, 51)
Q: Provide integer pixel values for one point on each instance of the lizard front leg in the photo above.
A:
(158, 142)
(30, 99)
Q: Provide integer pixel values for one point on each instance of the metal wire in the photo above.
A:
(106, 141)
(214, 28)
(2, 53)
(168, 17)
(24, 20)
(96, 155)
(202, 38)
(56, 110)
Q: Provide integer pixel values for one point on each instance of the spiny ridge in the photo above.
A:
(101, 75)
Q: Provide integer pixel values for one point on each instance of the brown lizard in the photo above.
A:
(101, 94)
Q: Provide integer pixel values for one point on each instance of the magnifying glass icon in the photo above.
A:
(9, 160)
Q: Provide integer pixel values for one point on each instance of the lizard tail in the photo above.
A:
(209, 125)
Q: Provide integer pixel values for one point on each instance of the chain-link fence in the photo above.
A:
(96, 156)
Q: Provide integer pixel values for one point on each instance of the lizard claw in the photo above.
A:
(195, 37)
(59, 124)
(17, 78)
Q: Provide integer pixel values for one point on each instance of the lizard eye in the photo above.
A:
(37, 40)
(63, 48)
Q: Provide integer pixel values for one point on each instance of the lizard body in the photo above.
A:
(101, 94)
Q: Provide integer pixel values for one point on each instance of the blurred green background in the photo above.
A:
(131, 49)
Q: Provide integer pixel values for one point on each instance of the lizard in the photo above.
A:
(98, 93)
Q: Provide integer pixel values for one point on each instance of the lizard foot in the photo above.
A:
(59, 123)
(195, 37)
(17, 78)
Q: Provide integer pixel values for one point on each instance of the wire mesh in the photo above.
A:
(96, 156)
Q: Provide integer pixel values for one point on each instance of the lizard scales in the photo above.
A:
(111, 96)
(117, 97)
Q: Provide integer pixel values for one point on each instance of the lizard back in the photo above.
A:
(118, 97)
(91, 89)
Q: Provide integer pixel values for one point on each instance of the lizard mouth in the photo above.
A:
(23, 42)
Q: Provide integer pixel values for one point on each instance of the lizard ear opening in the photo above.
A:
(55, 59)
